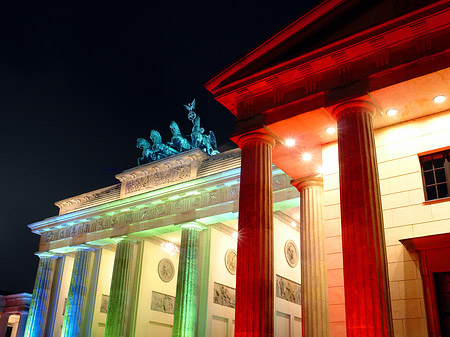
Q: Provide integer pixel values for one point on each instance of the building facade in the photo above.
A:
(348, 235)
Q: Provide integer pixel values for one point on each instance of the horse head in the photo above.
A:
(142, 144)
(155, 137)
(175, 129)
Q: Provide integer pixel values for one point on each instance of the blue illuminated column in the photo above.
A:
(37, 316)
(186, 301)
(119, 320)
(77, 301)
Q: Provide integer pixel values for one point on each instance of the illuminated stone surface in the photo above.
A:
(315, 322)
(367, 298)
(119, 317)
(255, 270)
(77, 300)
(186, 300)
(37, 317)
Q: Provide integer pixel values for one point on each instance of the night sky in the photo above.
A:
(79, 82)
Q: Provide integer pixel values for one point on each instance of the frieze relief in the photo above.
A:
(158, 179)
(153, 211)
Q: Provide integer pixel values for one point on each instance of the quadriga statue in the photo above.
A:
(178, 142)
(159, 149)
(206, 143)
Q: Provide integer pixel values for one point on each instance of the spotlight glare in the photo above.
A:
(439, 99)
(289, 142)
(235, 235)
(293, 224)
(307, 156)
(391, 112)
(330, 130)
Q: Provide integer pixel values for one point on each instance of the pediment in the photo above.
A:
(329, 22)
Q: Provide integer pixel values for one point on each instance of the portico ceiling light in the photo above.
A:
(439, 99)
(289, 142)
(235, 235)
(391, 112)
(307, 156)
(330, 130)
(293, 224)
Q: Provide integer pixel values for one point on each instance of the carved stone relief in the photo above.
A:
(231, 261)
(163, 302)
(224, 295)
(166, 270)
(288, 290)
(291, 253)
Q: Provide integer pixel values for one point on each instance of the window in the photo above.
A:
(436, 175)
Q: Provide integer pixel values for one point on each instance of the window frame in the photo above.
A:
(446, 167)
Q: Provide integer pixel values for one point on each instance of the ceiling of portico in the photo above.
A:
(413, 99)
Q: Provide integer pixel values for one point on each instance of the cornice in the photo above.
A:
(335, 55)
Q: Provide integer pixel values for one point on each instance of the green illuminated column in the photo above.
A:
(186, 301)
(77, 301)
(119, 321)
(37, 316)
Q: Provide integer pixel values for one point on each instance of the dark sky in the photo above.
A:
(79, 82)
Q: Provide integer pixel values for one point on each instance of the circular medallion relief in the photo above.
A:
(166, 270)
(231, 261)
(291, 253)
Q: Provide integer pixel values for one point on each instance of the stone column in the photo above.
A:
(367, 299)
(315, 321)
(4, 323)
(186, 302)
(77, 300)
(254, 312)
(119, 320)
(37, 315)
(22, 323)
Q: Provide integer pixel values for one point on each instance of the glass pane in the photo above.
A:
(440, 175)
(426, 164)
(438, 162)
(429, 178)
(431, 193)
(442, 190)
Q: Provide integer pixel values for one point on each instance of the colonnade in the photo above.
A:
(367, 299)
(120, 320)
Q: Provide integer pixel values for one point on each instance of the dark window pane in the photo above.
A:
(431, 193)
(442, 190)
(438, 162)
(429, 178)
(440, 175)
(427, 164)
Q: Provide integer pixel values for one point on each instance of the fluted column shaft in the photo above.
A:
(118, 318)
(315, 322)
(367, 299)
(77, 300)
(37, 316)
(22, 323)
(254, 314)
(186, 301)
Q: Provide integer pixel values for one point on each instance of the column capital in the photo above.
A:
(313, 180)
(48, 254)
(256, 137)
(353, 106)
(193, 225)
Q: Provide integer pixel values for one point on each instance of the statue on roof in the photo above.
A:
(178, 143)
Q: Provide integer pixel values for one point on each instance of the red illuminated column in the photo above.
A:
(367, 299)
(254, 277)
(315, 322)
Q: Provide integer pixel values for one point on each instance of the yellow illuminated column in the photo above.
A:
(186, 301)
(37, 316)
(119, 320)
(315, 322)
